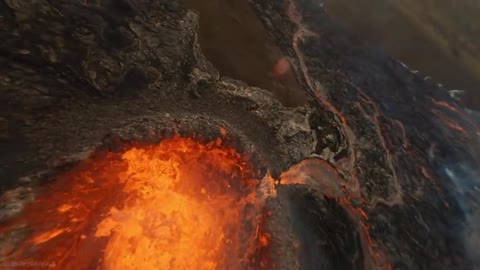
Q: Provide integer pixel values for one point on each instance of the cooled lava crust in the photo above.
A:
(120, 141)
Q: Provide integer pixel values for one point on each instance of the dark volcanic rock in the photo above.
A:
(58, 53)
(396, 181)
(412, 151)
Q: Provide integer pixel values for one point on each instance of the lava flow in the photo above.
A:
(180, 204)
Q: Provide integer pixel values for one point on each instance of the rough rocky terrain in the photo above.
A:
(438, 38)
(79, 75)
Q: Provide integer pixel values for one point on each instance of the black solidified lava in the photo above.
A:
(387, 164)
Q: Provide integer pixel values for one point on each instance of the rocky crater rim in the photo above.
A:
(146, 131)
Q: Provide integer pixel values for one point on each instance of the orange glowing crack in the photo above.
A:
(321, 176)
(64, 208)
(44, 237)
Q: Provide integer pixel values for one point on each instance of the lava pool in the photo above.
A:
(179, 204)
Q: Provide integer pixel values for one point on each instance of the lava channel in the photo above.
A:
(180, 204)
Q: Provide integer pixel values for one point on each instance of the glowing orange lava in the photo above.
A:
(180, 204)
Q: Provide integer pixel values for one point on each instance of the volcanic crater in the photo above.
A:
(123, 147)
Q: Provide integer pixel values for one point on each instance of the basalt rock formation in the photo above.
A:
(380, 170)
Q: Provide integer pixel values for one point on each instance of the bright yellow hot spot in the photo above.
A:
(181, 204)
(181, 210)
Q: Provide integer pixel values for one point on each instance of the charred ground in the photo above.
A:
(78, 76)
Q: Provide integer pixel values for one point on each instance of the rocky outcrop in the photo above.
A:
(81, 75)
(72, 72)
(405, 145)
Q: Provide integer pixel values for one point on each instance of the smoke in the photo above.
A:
(474, 114)
(466, 181)
(472, 237)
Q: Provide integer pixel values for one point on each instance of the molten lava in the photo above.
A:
(180, 204)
